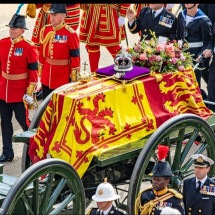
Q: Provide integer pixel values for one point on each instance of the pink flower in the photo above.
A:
(174, 60)
(152, 59)
(158, 58)
(137, 48)
(181, 68)
(160, 47)
(182, 57)
(143, 57)
(170, 50)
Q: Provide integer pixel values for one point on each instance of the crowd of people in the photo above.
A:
(53, 57)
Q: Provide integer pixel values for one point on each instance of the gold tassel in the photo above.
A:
(31, 88)
(40, 69)
(49, 37)
(31, 10)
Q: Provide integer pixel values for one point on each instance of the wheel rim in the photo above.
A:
(185, 128)
(51, 186)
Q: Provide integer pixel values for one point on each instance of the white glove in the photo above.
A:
(28, 99)
(121, 21)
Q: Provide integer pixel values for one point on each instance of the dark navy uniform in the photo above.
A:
(197, 203)
(197, 33)
(211, 78)
(163, 25)
(113, 211)
(166, 198)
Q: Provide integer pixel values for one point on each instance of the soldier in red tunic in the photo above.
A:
(18, 78)
(101, 25)
(59, 58)
(72, 18)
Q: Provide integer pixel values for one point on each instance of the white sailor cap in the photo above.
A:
(200, 160)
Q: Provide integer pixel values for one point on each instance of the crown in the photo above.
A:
(123, 62)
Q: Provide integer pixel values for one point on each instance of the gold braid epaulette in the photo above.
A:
(176, 194)
(88, 213)
(48, 38)
(138, 202)
(69, 29)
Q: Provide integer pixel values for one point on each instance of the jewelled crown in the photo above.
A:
(123, 62)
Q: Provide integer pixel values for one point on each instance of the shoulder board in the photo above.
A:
(176, 194)
(89, 211)
(120, 210)
(29, 41)
(69, 29)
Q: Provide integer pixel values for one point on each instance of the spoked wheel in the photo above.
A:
(185, 134)
(51, 186)
(26, 162)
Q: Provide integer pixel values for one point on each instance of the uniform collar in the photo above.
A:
(157, 12)
(161, 192)
(107, 211)
(18, 39)
(198, 15)
(203, 180)
(58, 27)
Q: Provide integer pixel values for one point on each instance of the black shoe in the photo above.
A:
(4, 158)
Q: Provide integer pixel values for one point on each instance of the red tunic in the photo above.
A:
(18, 66)
(72, 19)
(63, 46)
(99, 24)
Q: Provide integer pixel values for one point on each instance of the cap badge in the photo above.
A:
(199, 160)
(100, 192)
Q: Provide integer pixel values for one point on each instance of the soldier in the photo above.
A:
(199, 191)
(104, 198)
(154, 18)
(195, 28)
(43, 18)
(59, 59)
(153, 199)
(102, 25)
(18, 78)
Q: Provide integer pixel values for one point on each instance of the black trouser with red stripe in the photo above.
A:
(6, 114)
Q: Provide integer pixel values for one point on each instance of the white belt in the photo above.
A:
(195, 44)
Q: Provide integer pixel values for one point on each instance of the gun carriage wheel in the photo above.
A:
(51, 186)
(185, 134)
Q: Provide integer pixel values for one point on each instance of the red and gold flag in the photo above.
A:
(87, 121)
